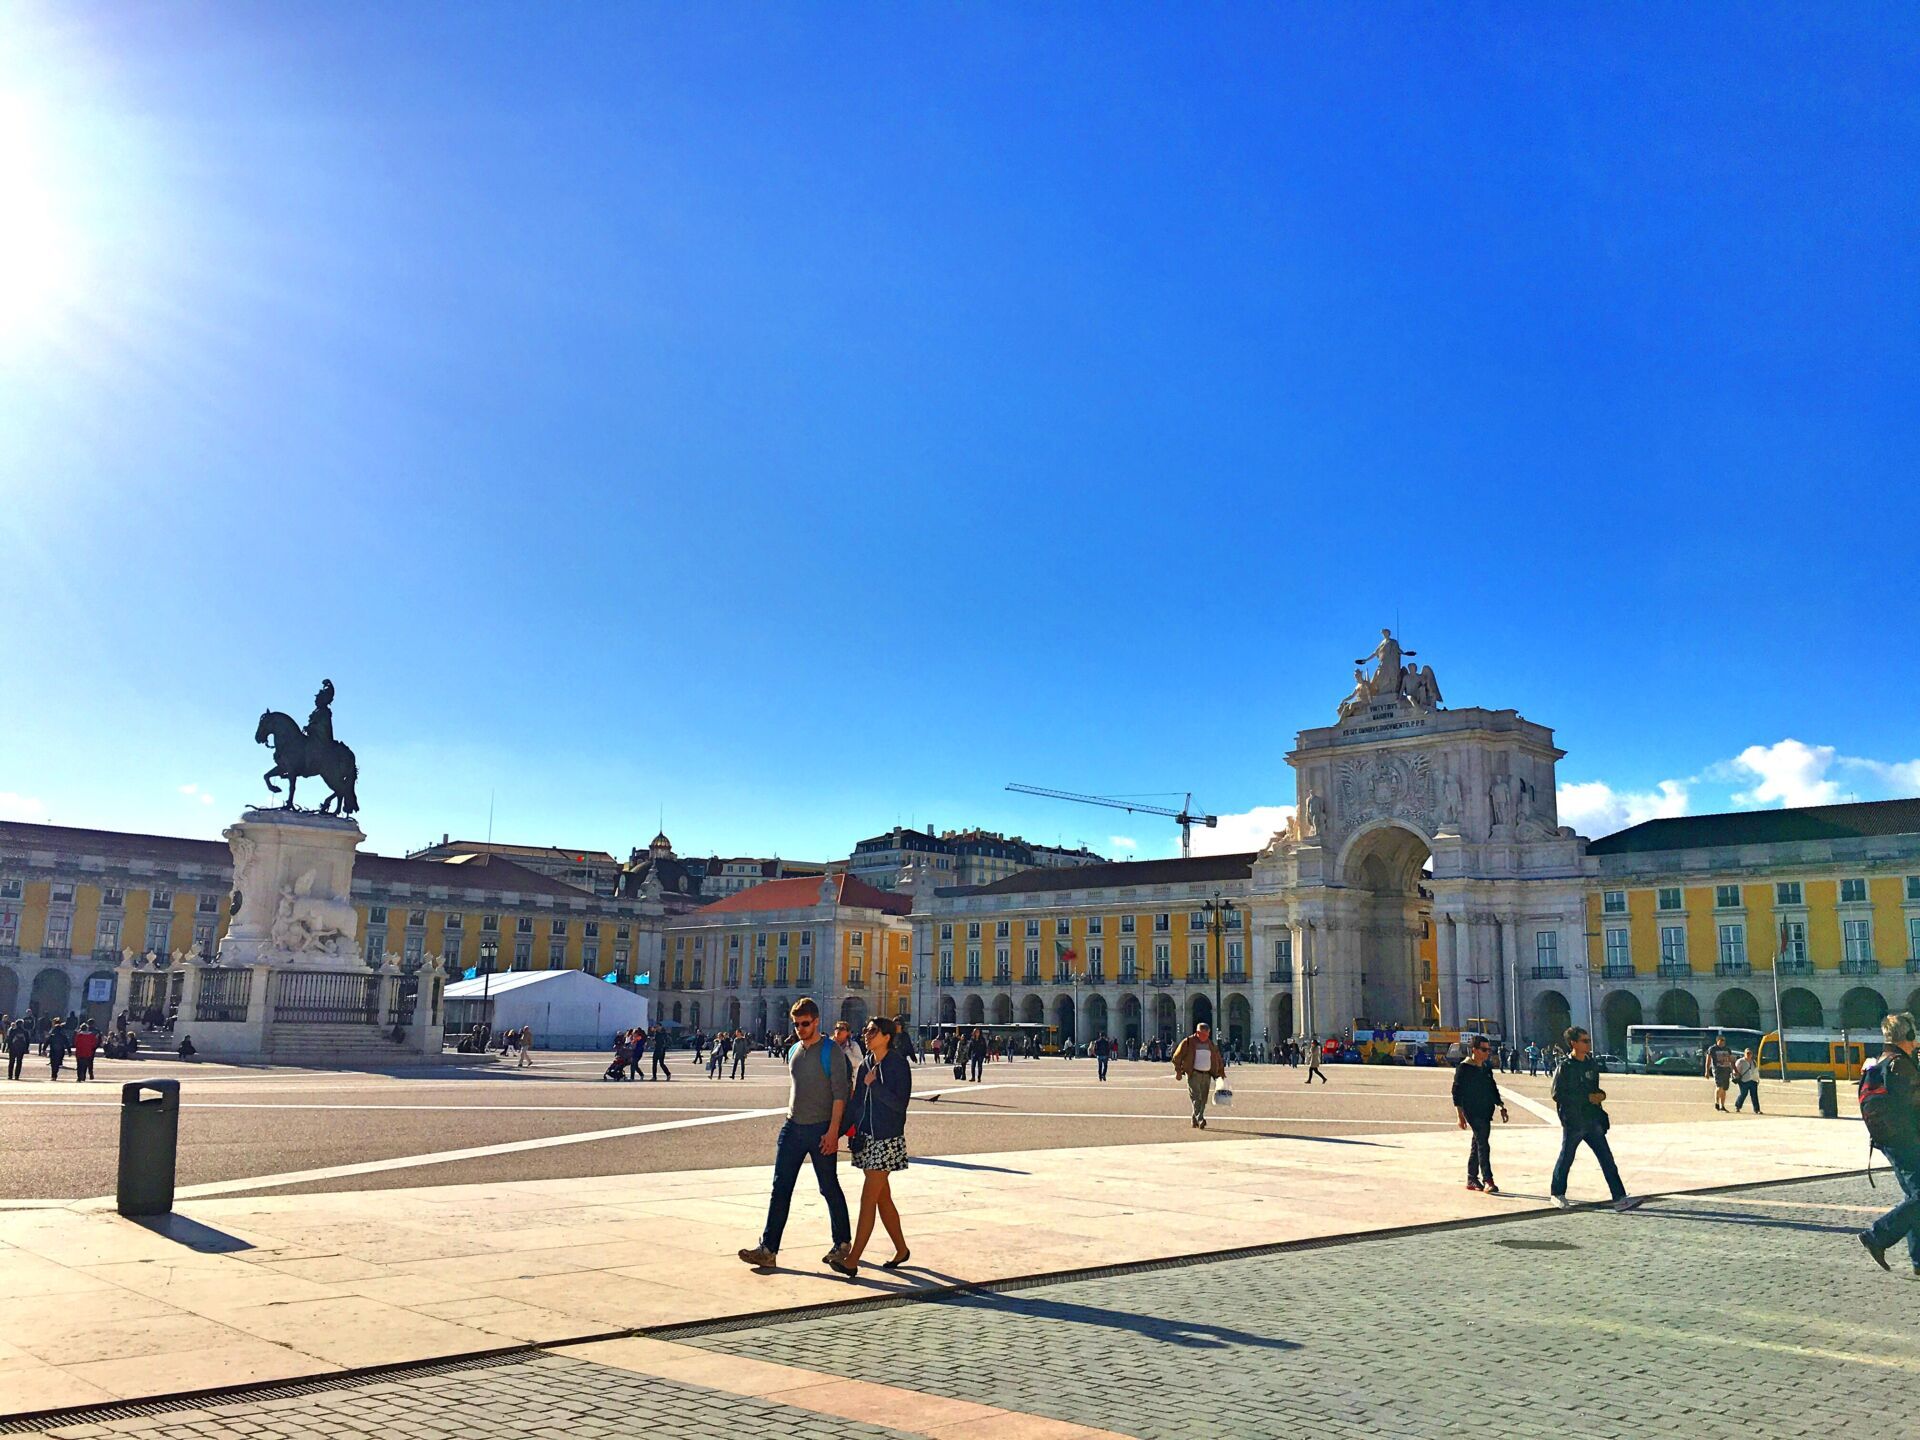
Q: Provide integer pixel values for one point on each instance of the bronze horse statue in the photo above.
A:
(333, 762)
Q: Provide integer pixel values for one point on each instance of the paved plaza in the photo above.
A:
(1732, 1314)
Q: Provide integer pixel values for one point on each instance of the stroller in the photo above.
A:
(622, 1058)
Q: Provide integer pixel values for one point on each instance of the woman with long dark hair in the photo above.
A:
(881, 1091)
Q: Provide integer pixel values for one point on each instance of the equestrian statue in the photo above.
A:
(312, 751)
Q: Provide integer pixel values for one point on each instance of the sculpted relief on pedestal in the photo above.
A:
(1387, 787)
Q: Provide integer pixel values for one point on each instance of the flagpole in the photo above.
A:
(1779, 1016)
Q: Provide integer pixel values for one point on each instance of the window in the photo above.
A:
(806, 938)
(1283, 951)
(1619, 954)
(1196, 919)
(733, 972)
(1033, 965)
(1913, 887)
(1233, 918)
(9, 927)
(559, 927)
(1794, 941)
(523, 954)
(973, 930)
(203, 937)
(858, 940)
(159, 928)
(376, 914)
(1913, 937)
(1197, 958)
(1002, 963)
(1546, 949)
(620, 959)
(523, 925)
(1129, 967)
(625, 933)
(209, 905)
(1853, 892)
(733, 943)
(1673, 946)
(1857, 936)
(1162, 923)
(946, 931)
(9, 889)
(1669, 899)
(556, 954)
(680, 944)
(59, 932)
(1126, 924)
(163, 899)
(1033, 929)
(1733, 947)
(416, 950)
(1787, 892)
(1093, 925)
(1726, 897)
(1614, 902)
(113, 897)
(376, 946)
(592, 929)
(973, 964)
(590, 958)
(1002, 930)
(1063, 927)
(62, 894)
(946, 967)
(760, 940)
(1235, 957)
(106, 934)
(1162, 959)
(699, 972)
(1096, 958)
(454, 920)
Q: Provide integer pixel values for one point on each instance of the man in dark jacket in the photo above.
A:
(1583, 1120)
(1476, 1095)
(1902, 1147)
(660, 1053)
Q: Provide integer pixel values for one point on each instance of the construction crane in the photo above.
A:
(1183, 817)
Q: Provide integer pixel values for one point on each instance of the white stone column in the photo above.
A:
(1447, 980)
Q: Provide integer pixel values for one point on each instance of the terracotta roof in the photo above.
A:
(1764, 827)
(1115, 873)
(482, 873)
(500, 847)
(802, 892)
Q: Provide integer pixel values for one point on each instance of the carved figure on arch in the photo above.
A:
(1500, 795)
(1388, 678)
(1422, 689)
(1450, 800)
(1357, 701)
(1316, 815)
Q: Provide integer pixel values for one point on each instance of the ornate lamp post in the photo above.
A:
(1217, 912)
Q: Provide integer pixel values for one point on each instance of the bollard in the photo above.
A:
(1829, 1098)
(149, 1141)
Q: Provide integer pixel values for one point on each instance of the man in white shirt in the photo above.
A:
(1198, 1060)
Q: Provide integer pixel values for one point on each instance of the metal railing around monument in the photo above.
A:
(406, 993)
(224, 995)
(326, 997)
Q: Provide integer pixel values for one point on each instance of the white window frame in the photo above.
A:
(1856, 938)
(1673, 946)
(1660, 895)
(1733, 944)
(1788, 892)
(1720, 900)
(1857, 880)
(1619, 952)
(1546, 948)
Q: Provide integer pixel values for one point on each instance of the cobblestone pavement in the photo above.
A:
(546, 1397)
(1711, 1316)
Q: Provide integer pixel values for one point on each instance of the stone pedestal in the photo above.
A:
(293, 873)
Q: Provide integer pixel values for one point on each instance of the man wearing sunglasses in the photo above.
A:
(819, 1084)
(1476, 1095)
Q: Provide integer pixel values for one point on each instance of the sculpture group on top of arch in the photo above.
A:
(1391, 680)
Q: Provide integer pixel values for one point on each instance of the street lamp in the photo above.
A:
(1217, 912)
(1477, 980)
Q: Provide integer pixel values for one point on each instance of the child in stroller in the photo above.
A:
(622, 1058)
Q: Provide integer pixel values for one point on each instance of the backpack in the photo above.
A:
(1889, 1121)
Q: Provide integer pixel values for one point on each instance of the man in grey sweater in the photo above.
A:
(819, 1082)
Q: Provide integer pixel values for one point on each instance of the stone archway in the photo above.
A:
(1033, 1011)
(1003, 1009)
(1619, 1010)
(1063, 1019)
(1736, 1009)
(1199, 1012)
(976, 1010)
(949, 1012)
(52, 992)
(695, 1014)
(1677, 1007)
(1096, 1017)
(1130, 1019)
(677, 1012)
(1280, 1024)
(1381, 866)
(1800, 1010)
(853, 1010)
(733, 1014)
(1166, 1016)
(1862, 1008)
(760, 1016)
(9, 991)
(1239, 1018)
(1548, 1018)
(1913, 1004)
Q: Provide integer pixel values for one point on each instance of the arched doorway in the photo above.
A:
(853, 1010)
(976, 1010)
(1913, 1004)
(1166, 1017)
(676, 1012)
(1063, 1019)
(52, 992)
(1800, 1010)
(696, 1014)
(1239, 1022)
(1003, 1009)
(949, 1012)
(1549, 1017)
(1130, 1019)
(760, 1016)
(1033, 1011)
(1737, 1010)
(1280, 1025)
(1617, 1012)
(1677, 1007)
(9, 991)
(1862, 1009)
(1199, 1012)
(733, 1014)
(1096, 1017)
(1386, 863)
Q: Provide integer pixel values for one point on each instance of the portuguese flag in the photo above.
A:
(1063, 952)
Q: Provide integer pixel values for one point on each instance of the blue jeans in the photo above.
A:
(1103, 1067)
(1903, 1221)
(798, 1144)
(1595, 1140)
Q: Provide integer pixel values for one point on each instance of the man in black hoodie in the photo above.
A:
(1476, 1095)
(1583, 1120)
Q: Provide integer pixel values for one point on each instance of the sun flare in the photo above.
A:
(38, 270)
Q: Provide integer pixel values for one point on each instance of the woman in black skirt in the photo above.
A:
(881, 1091)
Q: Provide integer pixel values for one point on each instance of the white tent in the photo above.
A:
(568, 1009)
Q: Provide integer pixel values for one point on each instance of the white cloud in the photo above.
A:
(1236, 834)
(22, 807)
(1594, 808)
(1122, 842)
(205, 799)
(1787, 772)
(188, 789)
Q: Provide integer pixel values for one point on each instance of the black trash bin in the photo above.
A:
(149, 1141)
(1829, 1098)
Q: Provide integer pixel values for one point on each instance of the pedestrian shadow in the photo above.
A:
(192, 1234)
(966, 1165)
(1167, 1330)
(1758, 1222)
(1308, 1139)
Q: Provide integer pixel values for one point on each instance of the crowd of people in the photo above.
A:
(58, 1037)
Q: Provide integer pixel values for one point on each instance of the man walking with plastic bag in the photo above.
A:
(1199, 1061)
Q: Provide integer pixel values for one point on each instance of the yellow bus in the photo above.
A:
(1813, 1053)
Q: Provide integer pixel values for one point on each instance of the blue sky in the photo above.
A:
(802, 418)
